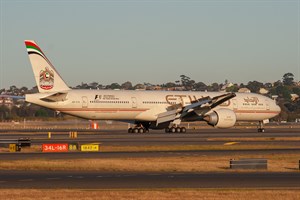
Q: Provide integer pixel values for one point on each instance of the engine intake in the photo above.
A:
(221, 118)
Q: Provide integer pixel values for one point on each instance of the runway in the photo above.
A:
(147, 154)
(158, 137)
(110, 180)
(287, 144)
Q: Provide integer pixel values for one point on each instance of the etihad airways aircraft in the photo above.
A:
(145, 109)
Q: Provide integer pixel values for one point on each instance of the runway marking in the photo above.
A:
(99, 176)
(230, 143)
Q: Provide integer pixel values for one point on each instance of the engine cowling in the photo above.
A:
(221, 118)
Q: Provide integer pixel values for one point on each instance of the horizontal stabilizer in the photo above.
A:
(55, 97)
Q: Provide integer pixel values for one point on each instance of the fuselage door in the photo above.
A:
(234, 103)
(134, 102)
(267, 105)
(84, 102)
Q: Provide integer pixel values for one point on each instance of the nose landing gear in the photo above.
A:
(261, 127)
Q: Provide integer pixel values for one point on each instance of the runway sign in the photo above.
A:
(250, 163)
(55, 147)
(73, 147)
(89, 147)
(12, 148)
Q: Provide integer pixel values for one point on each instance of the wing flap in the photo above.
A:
(166, 116)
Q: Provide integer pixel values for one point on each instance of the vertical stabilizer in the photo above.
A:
(46, 77)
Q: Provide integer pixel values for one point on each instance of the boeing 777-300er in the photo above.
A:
(145, 109)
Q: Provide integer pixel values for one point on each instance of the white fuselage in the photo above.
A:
(146, 105)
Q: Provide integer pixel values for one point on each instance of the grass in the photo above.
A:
(145, 148)
(174, 194)
(276, 163)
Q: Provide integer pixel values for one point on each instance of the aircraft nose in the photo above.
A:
(277, 109)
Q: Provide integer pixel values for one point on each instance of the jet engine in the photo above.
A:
(221, 118)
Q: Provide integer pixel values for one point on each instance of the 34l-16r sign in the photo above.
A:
(55, 147)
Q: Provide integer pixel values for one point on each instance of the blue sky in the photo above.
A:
(151, 41)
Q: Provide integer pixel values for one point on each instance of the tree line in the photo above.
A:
(283, 90)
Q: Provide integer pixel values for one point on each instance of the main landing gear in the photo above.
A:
(175, 130)
(261, 127)
(139, 128)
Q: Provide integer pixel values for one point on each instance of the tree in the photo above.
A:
(213, 87)
(284, 92)
(170, 85)
(127, 85)
(139, 86)
(200, 86)
(233, 88)
(288, 79)
(114, 86)
(94, 85)
(254, 86)
(187, 82)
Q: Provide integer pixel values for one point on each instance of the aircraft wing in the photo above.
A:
(200, 107)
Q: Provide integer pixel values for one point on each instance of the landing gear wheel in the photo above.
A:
(183, 130)
(135, 130)
(178, 130)
(261, 130)
(130, 130)
(172, 130)
(261, 127)
(167, 130)
(141, 130)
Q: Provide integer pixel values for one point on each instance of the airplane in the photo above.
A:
(145, 109)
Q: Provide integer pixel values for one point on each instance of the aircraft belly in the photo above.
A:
(104, 115)
(254, 116)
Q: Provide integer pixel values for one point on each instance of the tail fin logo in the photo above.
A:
(46, 79)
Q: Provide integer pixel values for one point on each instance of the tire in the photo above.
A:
(135, 130)
(130, 130)
(141, 130)
(183, 130)
(172, 130)
(167, 130)
(178, 130)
